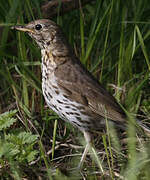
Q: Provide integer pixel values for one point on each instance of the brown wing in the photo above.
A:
(83, 88)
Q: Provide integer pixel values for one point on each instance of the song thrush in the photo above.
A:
(69, 89)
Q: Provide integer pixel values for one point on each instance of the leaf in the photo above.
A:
(18, 147)
(6, 119)
(31, 155)
(22, 138)
(27, 137)
(8, 150)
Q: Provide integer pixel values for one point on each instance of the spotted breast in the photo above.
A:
(57, 98)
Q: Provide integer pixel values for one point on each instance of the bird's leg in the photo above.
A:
(87, 147)
(83, 156)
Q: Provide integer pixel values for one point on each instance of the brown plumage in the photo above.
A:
(69, 89)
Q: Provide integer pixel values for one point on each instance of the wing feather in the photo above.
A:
(86, 90)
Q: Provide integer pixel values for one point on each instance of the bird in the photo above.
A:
(68, 87)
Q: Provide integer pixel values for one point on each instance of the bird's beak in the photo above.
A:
(23, 28)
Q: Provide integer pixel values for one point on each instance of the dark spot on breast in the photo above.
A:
(54, 56)
(74, 113)
(65, 96)
(48, 43)
(77, 114)
(73, 109)
(44, 78)
(74, 105)
(63, 115)
(78, 118)
(65, 100)
(46, 95)
(50, 95)
(71, 113)
(44, 62)
(55, 87)
(56, 91)
(46, 74)
(47, 54)
(76, 123)
(55, 107)
(60, 102)
(67, 107)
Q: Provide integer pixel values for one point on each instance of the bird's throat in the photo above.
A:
(48, 58)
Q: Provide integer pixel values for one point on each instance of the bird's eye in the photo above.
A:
(38, 27)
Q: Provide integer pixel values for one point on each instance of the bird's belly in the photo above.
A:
(68, 110)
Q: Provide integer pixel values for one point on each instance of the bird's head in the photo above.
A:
(45, 32)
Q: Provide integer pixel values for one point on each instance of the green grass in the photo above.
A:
(112, 40)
